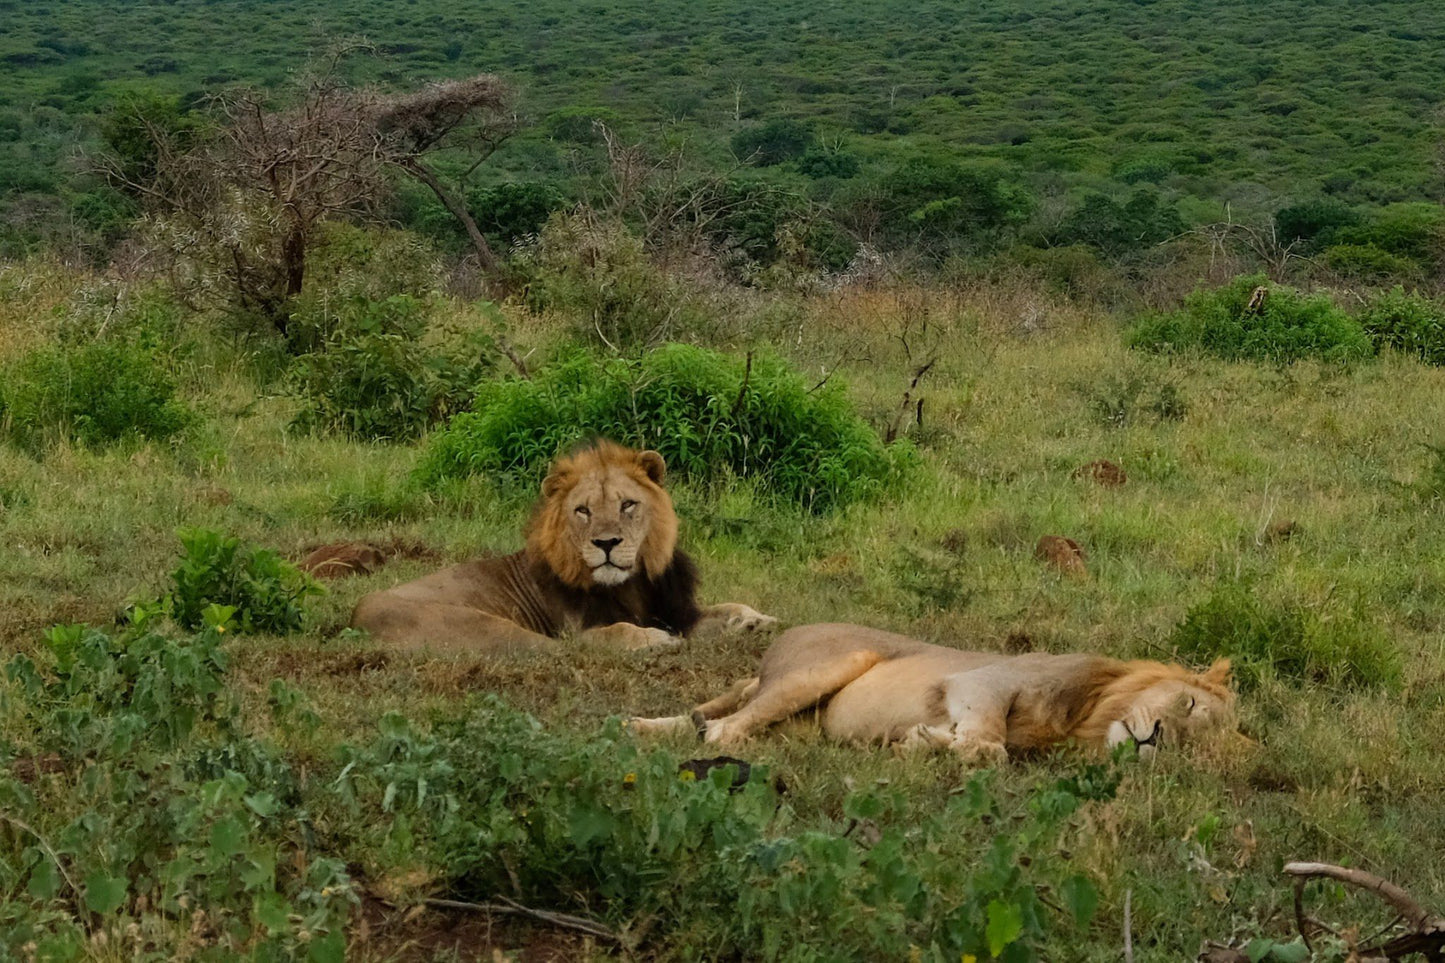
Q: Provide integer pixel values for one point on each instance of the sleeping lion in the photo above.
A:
(601, 563)
(878, 687)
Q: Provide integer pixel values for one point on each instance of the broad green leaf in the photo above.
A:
(1005, 924)
(1080, 897)
(44, 878)
(1258, 949)
(228, 836)
(328, 948)
(1295, 952)
(273, 912)
(263, 804)
(589, 823)
(104, 894)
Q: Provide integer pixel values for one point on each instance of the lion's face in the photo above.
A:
(1175, 711)
(605, 517)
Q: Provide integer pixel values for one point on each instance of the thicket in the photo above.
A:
(94, 395)
(1281, 325)
(1267, 639)
(1409, 323)
(148, 814)
(711, 416)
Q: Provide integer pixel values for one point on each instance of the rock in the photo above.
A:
(1063, 554)
(342, 559)
(1281, 531)
(1102, 472)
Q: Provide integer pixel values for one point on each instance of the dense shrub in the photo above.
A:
(263, 592)
(510, 211)
(378, 377)
(1286, 327)
(597, 273)
(938, 203)
(773, 142)
(710, 415)
(1368, 263)
(1414, 230)
(821, 162)
(1264, 639)
(95, 395)
(1117, 228)
(1314, 223)
(1409, 323)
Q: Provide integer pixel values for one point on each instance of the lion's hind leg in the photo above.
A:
(776, 699)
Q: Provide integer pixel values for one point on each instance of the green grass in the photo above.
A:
(1339, 772)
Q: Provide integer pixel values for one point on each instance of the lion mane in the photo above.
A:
(600, 562)
(872, 686)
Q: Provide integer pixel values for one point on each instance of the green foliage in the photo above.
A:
(710, 415)
(1314, 222)
(161, 811)
(1368, 263)
(827, 162)
(778, 140)
(1409, 323)
(1414, 230)
(503, 804)
(511, 211)
(375, 377)
(578, 125)
(95, 395)
(1122, 400)
(1287, 327)
(1432, 482)
(1286, 641)
(598, 274)
(135, 127)
(1116, 229)
(257, 589)
(941, 203)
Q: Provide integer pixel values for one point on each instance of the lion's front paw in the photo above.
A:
(736, 617)
(721, 732)
(983, 753)
(653, 640)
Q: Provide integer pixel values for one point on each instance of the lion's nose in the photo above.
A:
(607, 544)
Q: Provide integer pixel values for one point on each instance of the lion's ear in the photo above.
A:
(554, 484)
(653, 464)
(1218, 673)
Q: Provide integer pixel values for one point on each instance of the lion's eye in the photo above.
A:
(1192, 703)
(628, 505)
(584, 511)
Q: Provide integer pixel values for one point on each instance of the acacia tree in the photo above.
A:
(236, 206)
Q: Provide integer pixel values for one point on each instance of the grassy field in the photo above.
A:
(1219, 457)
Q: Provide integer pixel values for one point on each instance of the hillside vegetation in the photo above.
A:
(898, 290)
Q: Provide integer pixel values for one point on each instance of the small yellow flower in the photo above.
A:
(969, 958)
(630, 778)
(687, 775)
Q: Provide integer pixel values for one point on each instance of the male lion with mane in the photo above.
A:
(878, 687)
(601, 563)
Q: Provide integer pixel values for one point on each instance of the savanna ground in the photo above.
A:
(1024, 391)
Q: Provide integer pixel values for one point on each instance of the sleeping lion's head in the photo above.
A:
(604, 517)
(1152, 705)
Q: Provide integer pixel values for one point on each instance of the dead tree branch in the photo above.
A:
(1427, 930)
(509, 908)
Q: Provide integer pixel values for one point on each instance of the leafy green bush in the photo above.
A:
(95, 394)
(1314, 223)
(1409, 323)
(1117, 229)
(1368, 263)
(266, 593)
(510, 211)
(773, 142)
(375, 377)
(1414, 230)
(709, 414)
(1265, 639)
(162, 817)
(1288, 325)
(602, 826)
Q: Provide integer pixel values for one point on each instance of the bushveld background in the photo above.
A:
(879, 281)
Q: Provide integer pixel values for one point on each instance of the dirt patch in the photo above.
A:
(30, 768)
(1018, 642)
(1101, 472)
(1063, 554)
(419, 935)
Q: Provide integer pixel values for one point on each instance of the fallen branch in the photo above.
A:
(509, 908)
(1427, 934)
(907, 404)
(1128, 926)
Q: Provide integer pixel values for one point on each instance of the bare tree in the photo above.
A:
(472, 117)
(237, 207)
